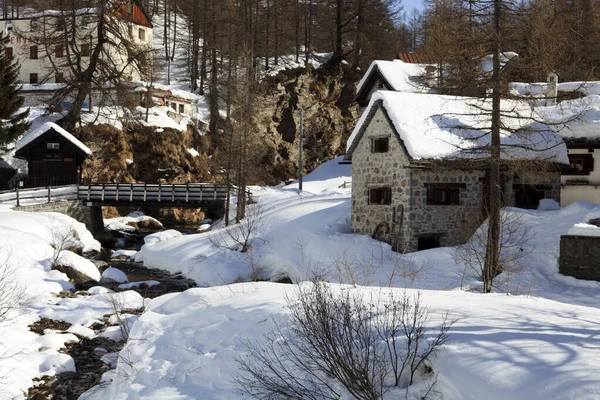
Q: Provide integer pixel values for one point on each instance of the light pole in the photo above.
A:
(300, 151)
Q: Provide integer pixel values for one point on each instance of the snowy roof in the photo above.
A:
(487, 62)
(401, 76)
(33, 134)
(574, 119)
(538, 89)
(448, 127)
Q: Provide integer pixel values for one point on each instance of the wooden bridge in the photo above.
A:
(94, 196)
(191, 195)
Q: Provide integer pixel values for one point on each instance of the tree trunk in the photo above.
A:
(492, 256)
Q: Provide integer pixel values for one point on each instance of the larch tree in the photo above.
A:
(470, 40)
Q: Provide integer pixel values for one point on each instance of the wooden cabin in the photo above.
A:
(54, 156)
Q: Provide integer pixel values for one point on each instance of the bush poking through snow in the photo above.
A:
(341, 344)
(12, 294)
(514, 249)
(240, 236)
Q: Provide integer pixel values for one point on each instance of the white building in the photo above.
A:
(578, 122)
(44, 62)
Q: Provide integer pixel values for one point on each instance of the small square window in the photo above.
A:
(381, 195)
(33, 52)
(444, 194)
(181, 108)
(174, 106)
(34, 25)
(581, 164)
(9, 27)
(33, 78)
(141, 34)
(380, 145)
(59, 51)
(60, 77)
(53, 146)
(85, 50)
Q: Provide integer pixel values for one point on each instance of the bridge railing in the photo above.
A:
(152, 193)
(49, 194)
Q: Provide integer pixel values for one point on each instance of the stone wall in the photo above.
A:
(72, 208)
(452, 224)
(580, 257)
(372, 170)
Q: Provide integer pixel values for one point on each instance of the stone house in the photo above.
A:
(418, 180)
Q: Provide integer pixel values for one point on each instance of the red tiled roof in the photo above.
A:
(415, 58)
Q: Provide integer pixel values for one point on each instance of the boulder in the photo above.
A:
(75, 276)
(111, 275)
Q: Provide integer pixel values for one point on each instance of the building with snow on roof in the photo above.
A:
(54, 156)
(48, 61)
(578, 122)
(418, 167)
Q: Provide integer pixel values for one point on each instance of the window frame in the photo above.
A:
(444, 194)
(59, 51)
(142, 34)
(181, 109)
(9, 52)
(33, 52)
(380, 144)
(587, 164)
(34, 78)
(52, 146)
(381, 195)
(84, 50)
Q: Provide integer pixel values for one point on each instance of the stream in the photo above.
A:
(89, 363)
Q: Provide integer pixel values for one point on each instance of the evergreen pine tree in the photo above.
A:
(11, 125)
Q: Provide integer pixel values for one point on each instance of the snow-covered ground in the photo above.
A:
(540, 344)
(26, 251)
(502, 347)
(306, 234)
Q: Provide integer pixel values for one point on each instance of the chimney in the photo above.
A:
(552, 90)
(430, 76)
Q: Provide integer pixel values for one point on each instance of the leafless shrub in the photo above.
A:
(239, 237)
(341, 344)
(12, 295)
(117, 303)
(62, 237)
(514, 250)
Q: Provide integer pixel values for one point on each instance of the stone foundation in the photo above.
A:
(580, 257)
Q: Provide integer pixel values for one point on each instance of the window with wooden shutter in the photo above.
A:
(380, 145)
(85, 50)
(444, 194)
(33, 78)
(580, 164)
(381, 195)
(33, 52)
(8, 52)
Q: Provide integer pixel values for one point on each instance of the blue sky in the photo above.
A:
(410, 4)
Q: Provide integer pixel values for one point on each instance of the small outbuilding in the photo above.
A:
(54, 156)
